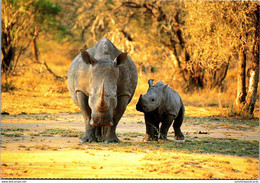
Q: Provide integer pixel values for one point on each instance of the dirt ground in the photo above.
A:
(31, 153)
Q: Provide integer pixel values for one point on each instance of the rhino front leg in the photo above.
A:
(110, 132)
(166, 124)
(89, 135)
(152, 127)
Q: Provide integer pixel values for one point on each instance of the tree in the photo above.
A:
(245, 100)
(13, 32)
(22, 22)
(208, 41)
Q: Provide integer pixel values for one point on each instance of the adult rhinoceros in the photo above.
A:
(102, 81)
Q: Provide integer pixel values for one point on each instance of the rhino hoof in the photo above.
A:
(112, 141)
(180, 137)
(163, 139)
(82, 140)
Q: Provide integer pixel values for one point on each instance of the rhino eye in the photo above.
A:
(153, 100)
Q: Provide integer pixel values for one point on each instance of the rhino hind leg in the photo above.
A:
(89, 135)
(177, 125)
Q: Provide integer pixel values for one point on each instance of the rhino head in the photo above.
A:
(153, 98)
(103, 74)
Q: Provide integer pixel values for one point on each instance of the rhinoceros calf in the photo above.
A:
(102, 81)
(161, 104)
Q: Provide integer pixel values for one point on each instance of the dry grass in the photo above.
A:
(32, 89)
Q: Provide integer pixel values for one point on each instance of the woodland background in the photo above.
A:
(208, 51)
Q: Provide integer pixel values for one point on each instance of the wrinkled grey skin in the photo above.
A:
(102, 81)
(161, 104)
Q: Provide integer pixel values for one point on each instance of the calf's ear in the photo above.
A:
(120, 59)
(86, 57)
(150, 82)
(165, 86)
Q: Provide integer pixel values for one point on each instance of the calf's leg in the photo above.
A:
(152, 127)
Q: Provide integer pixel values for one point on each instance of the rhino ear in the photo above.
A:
(165, 86)
(150, 82)
(86, 57)
(120, 59)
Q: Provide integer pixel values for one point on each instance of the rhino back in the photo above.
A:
(172, 102)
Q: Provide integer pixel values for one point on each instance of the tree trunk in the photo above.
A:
(8, 51)
(254, 73)
(252, 89)
(241, 78)
(34, 46)
(35, 50)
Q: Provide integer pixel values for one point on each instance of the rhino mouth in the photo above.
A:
(92, 123)
(139, 107)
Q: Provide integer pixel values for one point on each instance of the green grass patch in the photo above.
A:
(61, 132)
(217, 145)
(130, 134)
(17, 132)
(11, 134)
(219, 122)
(14, 130)
(203, 145)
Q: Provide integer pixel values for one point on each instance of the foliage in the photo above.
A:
(22, 21)
(200, 45)
(6, 87)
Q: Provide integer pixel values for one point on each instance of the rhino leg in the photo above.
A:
(166, 124)
(89, 135)
(177, 125)
(99, 133)
(110, 132)
(152, 127)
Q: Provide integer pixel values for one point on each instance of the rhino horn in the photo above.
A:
(150, 82)
(102, 107)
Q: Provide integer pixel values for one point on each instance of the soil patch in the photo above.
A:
(47, 146)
